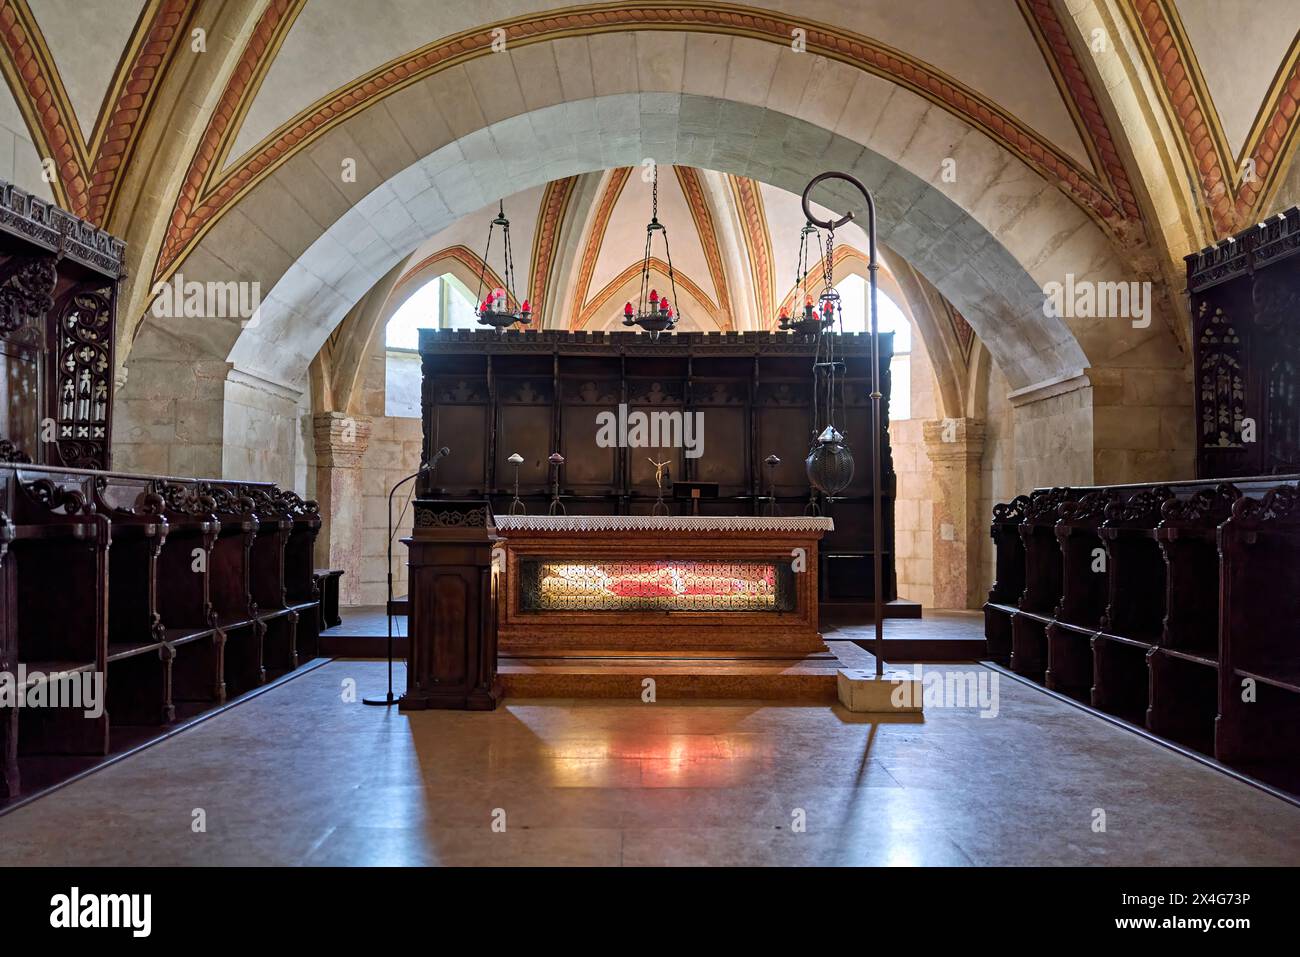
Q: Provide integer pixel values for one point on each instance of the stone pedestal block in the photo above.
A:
(955, 448)
(894, 692)
(341, 442)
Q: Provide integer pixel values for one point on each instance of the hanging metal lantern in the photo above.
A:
(811, 319)
(830, 463)
(500, 308)
(653, 313)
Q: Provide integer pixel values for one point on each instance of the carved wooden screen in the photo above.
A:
(1245, 297)
(58, 288)
(26, 300)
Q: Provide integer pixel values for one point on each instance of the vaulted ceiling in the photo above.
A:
(82, 73)
(579, 242)
(1167, 122)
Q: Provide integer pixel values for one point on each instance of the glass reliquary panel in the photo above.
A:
(661, 585)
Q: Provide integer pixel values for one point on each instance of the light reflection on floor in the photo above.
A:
(298, 775)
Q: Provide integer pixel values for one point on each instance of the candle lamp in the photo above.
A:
(557, 507)
(517, 507)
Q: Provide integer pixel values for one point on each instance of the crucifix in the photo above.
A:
(661, 471)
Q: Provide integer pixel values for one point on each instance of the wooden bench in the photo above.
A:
(170, 593)
(327, 582)
(1145, 635)
(1184, 665)
(185, 604)
(1258, 725)
(1042, 590)
(1077, 618)
(58, 572)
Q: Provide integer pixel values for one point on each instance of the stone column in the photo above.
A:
(955, 448)
(341, 442)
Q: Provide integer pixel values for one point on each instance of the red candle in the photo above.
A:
(654, 295)
(525, 307)
(627, 309)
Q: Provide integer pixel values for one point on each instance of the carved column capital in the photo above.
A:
(340, 440)
(956, 443)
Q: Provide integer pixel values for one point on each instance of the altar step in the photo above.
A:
(811, 682)
(683, 675)
(942, 636)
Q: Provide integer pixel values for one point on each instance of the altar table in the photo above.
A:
(596, 585)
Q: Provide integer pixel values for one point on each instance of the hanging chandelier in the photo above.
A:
(653, 313)
(500, 309)
(830, 462)
(811, 319)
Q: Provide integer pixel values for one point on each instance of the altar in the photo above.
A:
(621, 585)
(542, 564)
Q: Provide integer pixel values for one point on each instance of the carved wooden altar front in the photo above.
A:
(620, 585)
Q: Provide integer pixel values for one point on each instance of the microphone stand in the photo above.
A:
(389, 699)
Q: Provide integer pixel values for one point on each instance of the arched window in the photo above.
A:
(441, 303)
(853, 300)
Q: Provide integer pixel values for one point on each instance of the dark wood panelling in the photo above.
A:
(58, 305)
(1245, 300)
(754, 392)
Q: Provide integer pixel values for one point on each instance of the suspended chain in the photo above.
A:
(645, 273)
(801, 268)
(509, 260)
(482, 275)
(826, 358)
(507, 256)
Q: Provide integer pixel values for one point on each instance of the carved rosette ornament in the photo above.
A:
(10, 453)
(55, 496)
(83, 387)
(299, 508)
(181, 498)
(26, 297)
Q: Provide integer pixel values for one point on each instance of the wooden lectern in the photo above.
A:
(452, 612)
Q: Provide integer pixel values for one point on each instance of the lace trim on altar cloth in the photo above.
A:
(662, 523)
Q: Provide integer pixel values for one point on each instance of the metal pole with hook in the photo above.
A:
(877, 522)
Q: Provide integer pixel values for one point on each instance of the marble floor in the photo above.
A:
(302, 775)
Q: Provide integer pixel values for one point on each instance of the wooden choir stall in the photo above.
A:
(128, 603)
(1176, 605)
